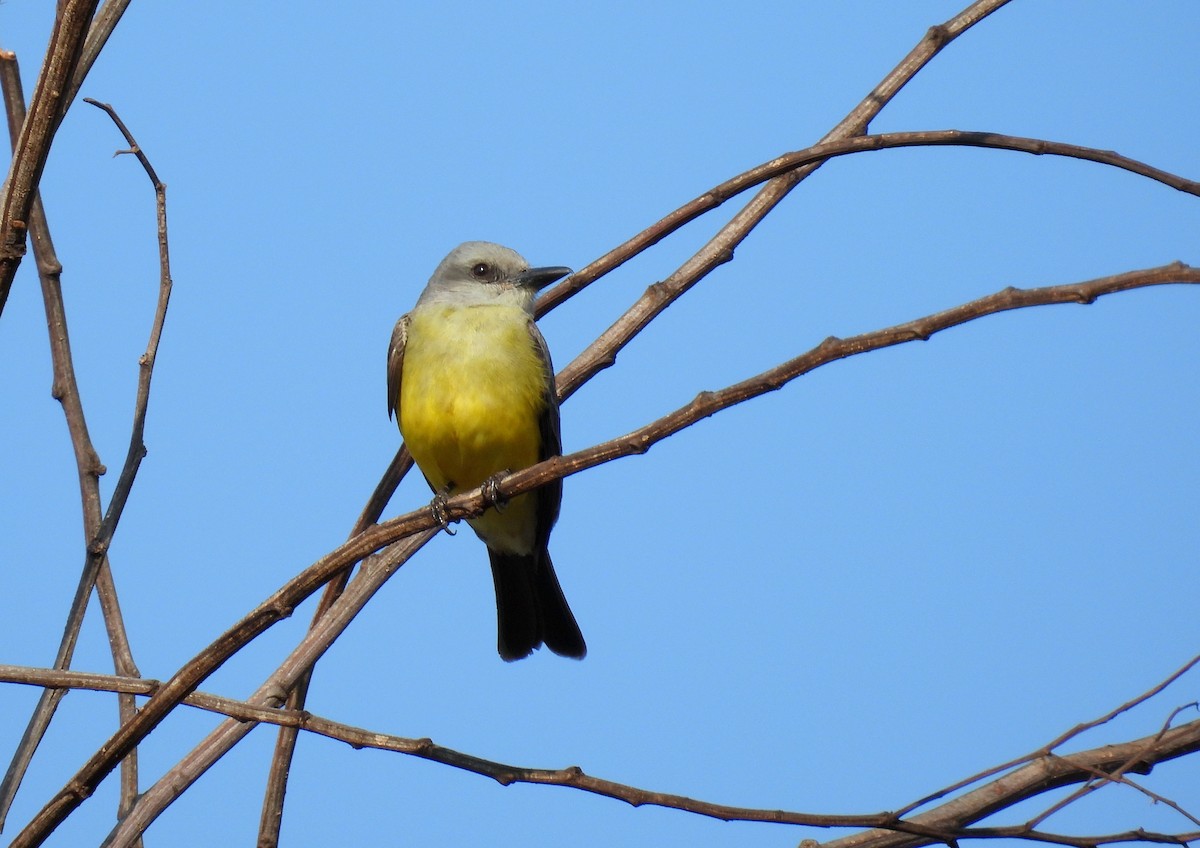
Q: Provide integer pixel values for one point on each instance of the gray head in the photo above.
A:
(480, 272)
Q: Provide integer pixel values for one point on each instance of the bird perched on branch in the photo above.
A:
(472, 387)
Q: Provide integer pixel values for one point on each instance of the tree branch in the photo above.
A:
(1046, 773)
(50, 102)
(607, 345)
(469, 504)
(96, 570)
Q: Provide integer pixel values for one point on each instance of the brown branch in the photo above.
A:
(102, 27)
(1041, 775)
(1139, 835)
(1078, 767)
(271, 817)
(46, 112)
(819, 153)
(96, 570)
(719, 249)
(137, 445)
(374, 573)
(281, 603)
(604, 349)
(1063, 738)
(1117, 775)
(66, 59)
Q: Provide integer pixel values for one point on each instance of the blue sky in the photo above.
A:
(898, 570)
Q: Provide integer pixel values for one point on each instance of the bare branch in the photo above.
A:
(1078, 767)
(1050, 746)
(96, 570)
(102, 27)
(604, 349)
(46, 111)
(271, 818)
(819, 153)
(374, 573)
(280, 604)
(1041, 775)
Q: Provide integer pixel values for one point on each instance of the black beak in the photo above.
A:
(538, 278)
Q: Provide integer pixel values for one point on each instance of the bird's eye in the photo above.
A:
(481, 270)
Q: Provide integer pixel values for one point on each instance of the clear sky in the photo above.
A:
(899, 570)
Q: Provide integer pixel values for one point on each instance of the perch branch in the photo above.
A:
(281, 603)
(1055, 771)
(605, 348)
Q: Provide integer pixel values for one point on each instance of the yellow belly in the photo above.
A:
(471, 397)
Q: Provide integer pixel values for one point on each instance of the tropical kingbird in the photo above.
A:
(472, 387)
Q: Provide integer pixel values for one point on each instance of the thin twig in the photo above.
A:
(720, 248)
(137, 445)
(1059, 740)
(96, 571)
(725, 191)
(1043, 774)
(1134, 762)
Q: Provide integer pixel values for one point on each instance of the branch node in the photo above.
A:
(938, 35)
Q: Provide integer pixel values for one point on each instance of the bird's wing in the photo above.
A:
(395, 365)
(550, 495)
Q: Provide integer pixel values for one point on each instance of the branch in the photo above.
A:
(1041, 775)
(1078, 767)
(50, 102)
(1050, 746)
(137, 445)
(271, 817)
(371, 577)
(719, 249)
(96, 570)
(469, 504)
(597, 357)
(606, 347)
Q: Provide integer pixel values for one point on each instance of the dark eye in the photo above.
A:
(481, 270)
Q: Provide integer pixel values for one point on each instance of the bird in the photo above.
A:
(471, 385)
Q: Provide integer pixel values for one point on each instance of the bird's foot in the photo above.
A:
(491, 490)
(438, 507)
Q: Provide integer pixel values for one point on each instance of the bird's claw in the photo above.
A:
(491, 490)
(438, 508)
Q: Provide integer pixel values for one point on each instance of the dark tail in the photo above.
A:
(531, 609)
